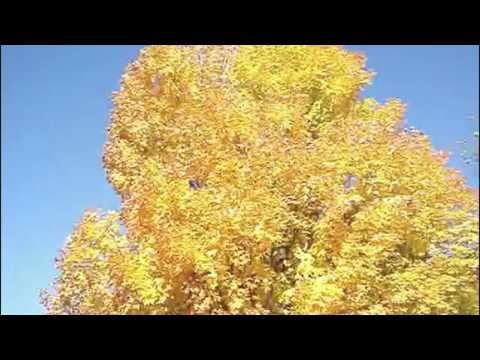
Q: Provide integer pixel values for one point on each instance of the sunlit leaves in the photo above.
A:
(255, 181)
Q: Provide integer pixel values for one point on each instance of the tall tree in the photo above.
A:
(254, 180)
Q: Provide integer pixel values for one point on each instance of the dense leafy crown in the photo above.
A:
(255, 180)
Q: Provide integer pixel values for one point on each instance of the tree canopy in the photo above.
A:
(256, 180)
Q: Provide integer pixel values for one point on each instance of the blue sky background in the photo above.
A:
(55, 106)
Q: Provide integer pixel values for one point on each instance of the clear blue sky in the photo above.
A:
(55, 110)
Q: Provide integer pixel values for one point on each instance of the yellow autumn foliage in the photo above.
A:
(254, 180)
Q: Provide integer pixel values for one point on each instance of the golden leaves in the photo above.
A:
(223, 155)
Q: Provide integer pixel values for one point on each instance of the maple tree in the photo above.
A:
(256, 180)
